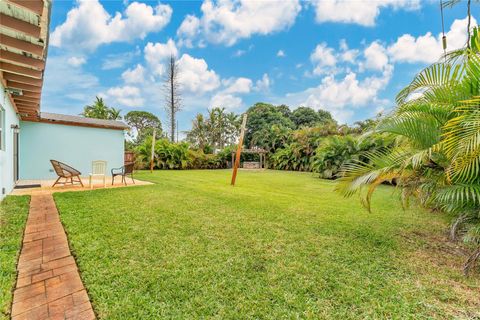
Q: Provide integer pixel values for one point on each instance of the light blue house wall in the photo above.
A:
(6, 153)
(76, 146)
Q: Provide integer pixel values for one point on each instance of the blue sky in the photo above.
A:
(348, 57)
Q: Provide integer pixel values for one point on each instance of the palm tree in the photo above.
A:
(100, 110)
(115, 114)
(199, 134)
(437, 155)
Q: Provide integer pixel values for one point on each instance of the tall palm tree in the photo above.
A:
(437, 154)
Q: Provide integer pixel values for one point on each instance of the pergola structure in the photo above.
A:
(23, 50)
(261, 152)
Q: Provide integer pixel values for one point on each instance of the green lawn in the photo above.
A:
(13, 215)
(280, 245)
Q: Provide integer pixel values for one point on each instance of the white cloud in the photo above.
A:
(227, 21)
(195, 77)
(89, 25)
(280, 53)
(188, 30)
(67, 86)
(358, 12)
(340, 97)
(346, 54)
(135, 75)
(428, 48)
(76, 61)
(143, 85)
(263, 84)
(324, 58)
(119, 60)
(238, 85)
(156, 54)
(227, 101)
(375, 56)
(327, 60)
(239, 53)
(128, 96)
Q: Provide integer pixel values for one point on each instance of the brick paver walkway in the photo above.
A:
(48, 284)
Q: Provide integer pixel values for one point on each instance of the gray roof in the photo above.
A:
(78, 120)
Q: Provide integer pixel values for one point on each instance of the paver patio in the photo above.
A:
(48, 284)
(46, 186)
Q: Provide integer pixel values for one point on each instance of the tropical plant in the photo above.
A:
(335, 151)
(437, 156)
(216, 131)
(297, 153)
(170, 155)
(332, 153)
(199, 160)
(100, 110)
(198, 136)
(271, 138)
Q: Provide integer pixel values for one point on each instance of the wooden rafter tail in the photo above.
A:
(239, 150)
(35, 6)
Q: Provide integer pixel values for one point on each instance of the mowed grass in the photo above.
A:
(13, 216)
(279, 245)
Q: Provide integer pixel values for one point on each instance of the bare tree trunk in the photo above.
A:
(172, 106)
(172, 94)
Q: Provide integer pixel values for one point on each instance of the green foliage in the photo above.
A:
(198, 136)
(199, 160)
(437, 158)
(273, 127)
(261, 118)
(332, 154)
(170, 155)
(173, 156)
(216, 131)
(298, 153)
(142, 124)
(100, 110)
(335, 151)
(307, 117)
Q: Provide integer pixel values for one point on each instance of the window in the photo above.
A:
(2, 128)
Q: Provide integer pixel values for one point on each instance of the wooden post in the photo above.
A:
(239, 150)
(153, 150)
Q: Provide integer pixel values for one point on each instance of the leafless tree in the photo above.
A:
(172, 94)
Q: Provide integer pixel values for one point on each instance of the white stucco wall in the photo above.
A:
(74, 145)
(6, 155)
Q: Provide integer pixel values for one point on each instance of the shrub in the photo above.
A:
(176, 156)
(197, 159)
(332, 153)
(335, 151)
(170, 155)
